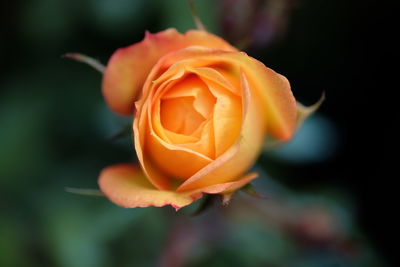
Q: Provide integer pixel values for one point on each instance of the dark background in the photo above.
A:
(343, 47)
(54, 124)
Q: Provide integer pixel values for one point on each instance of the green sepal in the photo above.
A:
(84, 191)
(87, 60)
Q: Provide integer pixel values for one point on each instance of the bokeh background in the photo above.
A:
(330, 190)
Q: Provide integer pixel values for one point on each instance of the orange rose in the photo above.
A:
(203, 110)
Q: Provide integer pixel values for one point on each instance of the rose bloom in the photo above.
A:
(202, 111)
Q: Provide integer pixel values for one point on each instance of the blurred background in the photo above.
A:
(330, 191)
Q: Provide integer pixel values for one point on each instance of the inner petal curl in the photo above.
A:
(179, 116)
(186, 106)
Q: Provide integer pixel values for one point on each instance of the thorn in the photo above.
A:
(87, 60)
(196, 18)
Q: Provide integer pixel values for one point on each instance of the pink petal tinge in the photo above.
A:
(129, 67)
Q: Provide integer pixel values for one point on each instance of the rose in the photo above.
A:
(203, 111)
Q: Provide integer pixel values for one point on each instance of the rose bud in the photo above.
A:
(202, 111)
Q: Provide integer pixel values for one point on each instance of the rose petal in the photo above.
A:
(274, 95)
(227, 117)
(127, 186)
(210, 96)
(175, 161)
(128, 67)
(185, 161)
(230, 187)
(155, 176)
(270, 103)
(200, 140)
(236, 160)
(221, 75)
(272, 91)
(192, 86)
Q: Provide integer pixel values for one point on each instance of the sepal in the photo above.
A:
(87, 60)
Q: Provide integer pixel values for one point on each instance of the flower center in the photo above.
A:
(179, 116)
(186, 106)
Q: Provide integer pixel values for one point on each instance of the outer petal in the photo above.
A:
(280, 105)
(230, 187)
(268, 103)
(128, 67)
(126, 186)
(272, 90)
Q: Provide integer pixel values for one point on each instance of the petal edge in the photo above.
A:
(126, 186)
(129, 66)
